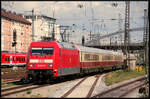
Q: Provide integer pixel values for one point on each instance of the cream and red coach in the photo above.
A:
(93, 59)
(55, 59)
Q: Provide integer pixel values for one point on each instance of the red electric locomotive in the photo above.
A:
(52, 59)
(8, 59)
(55, 59)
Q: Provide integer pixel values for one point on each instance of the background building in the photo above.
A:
(9, 22)
(43, 27)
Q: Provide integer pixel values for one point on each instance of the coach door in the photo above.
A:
(11, 60)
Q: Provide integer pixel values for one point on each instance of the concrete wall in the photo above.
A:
(133, 60)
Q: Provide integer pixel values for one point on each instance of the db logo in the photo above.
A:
(41, 61)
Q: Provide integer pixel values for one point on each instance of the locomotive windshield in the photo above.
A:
(42, 51)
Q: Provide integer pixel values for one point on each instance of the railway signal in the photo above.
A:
(14, 38)
(14, 35)
(14, 44)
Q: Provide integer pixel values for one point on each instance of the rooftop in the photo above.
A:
(14, 16)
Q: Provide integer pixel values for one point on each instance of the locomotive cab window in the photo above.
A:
(42, 51)
(47, 51)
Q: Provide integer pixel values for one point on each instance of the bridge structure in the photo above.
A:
(114, 46)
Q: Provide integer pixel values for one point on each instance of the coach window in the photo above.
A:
(19, 59)
(6, 59)
(103, 58)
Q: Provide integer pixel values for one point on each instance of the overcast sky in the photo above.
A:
(69, 13)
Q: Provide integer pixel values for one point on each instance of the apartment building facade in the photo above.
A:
(9, 22)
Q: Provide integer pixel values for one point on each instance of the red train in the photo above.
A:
(8, 59)
(54, 59)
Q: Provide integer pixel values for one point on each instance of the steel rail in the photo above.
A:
(115, 88)
(127, 92)
(93, 86)
(14, 92)
(70, 91)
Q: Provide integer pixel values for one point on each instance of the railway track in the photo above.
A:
(83, 88)
(21, 88)
(80, 86)
(122, 90)
(5, 81)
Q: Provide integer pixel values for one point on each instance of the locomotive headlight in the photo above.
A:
(48, 61)
(50, 65)
(34, 60)
(32, 65)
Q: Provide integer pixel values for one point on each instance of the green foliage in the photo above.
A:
(118, 76)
